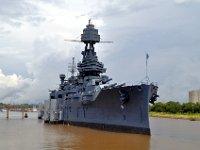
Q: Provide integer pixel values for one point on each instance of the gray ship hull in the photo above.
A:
(88, 99)
(108, 113)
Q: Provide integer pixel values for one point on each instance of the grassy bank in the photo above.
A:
(188, 116)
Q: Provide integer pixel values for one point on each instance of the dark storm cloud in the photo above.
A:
(168, 31)
(15, 12)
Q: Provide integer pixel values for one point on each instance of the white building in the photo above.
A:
(194, 96)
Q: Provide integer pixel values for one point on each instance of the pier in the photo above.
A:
(23, 114)
(21, 111)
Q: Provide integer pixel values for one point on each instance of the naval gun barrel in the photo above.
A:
(106, 81)
(120, 85)
(110, 86)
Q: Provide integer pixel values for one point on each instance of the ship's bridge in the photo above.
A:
(90, 66)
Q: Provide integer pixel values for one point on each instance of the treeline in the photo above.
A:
(175, 107)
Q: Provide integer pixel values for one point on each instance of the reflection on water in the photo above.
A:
(18, 134)
(83, 138)
(173, 134)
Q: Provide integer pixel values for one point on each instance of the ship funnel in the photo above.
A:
(62, 78)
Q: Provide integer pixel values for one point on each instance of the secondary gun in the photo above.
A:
(120, 85)
(110, 86)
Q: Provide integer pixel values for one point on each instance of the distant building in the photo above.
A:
(194, 96)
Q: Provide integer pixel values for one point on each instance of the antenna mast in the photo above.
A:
(72, 67)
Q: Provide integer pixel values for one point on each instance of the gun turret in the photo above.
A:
(98, 81)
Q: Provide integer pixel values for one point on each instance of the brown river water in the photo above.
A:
(32, 134)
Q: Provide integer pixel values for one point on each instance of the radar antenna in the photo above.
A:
(79, 41)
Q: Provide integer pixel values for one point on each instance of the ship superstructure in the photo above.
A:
(86, 99)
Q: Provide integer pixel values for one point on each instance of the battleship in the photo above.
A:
(88, 100)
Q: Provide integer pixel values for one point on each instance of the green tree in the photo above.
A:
(197, 108)
(158, 107)
(173, 107)
(188, 107)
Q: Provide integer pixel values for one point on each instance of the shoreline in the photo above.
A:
(184, 116)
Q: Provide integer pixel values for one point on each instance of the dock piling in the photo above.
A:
(7, 113)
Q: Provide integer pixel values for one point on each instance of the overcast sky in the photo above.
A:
(33, 52)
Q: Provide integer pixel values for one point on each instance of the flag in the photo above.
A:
(147, 56)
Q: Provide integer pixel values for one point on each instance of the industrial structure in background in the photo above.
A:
(194, 96)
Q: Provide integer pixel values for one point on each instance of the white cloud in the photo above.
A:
(12, 86)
